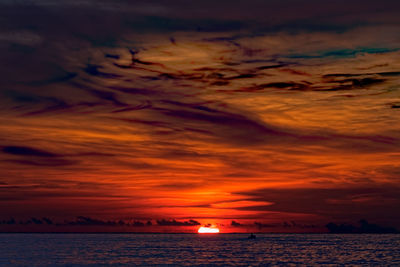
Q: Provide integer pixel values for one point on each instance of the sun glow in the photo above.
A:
(208, 230)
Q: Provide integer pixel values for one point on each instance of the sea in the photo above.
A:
(199, 250)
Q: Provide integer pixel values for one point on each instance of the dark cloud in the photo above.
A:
(278, 85)
(236, 224)
(36, 221)
(47, 220)
(261, 225)
(330, 85)
(100, 94)
(132, 108)
(33, 220)
(135, 91)
(174, 222)
(10, 221)
(274, 66)
(26, 98)
(168, 24)
(28, 151)
(111, 56)
(88, 221)
(95, 222)
(47, 162)
(347, 75)
(389, 73)
(34, 103)
(180, 185)
(374, 201)
(56, 79)
(395, 105)
(229, 126)
(78, 221)
(42, 190)
(36, 157)
(239, 129)
(95, 71)
(293, 224)
(349, 84)
(342, 53)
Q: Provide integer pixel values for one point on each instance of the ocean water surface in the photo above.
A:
(198, 250)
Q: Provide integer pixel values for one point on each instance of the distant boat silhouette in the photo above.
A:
(252, 236)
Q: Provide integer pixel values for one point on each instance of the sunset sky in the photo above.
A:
(161, 116)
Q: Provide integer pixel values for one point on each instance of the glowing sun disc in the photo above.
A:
(208, 230)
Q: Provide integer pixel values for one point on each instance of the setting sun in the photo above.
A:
(208, 230)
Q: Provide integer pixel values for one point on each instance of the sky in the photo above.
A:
(162, 116)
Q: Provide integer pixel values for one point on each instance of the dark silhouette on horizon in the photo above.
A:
(364, 228)
(252, 236)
